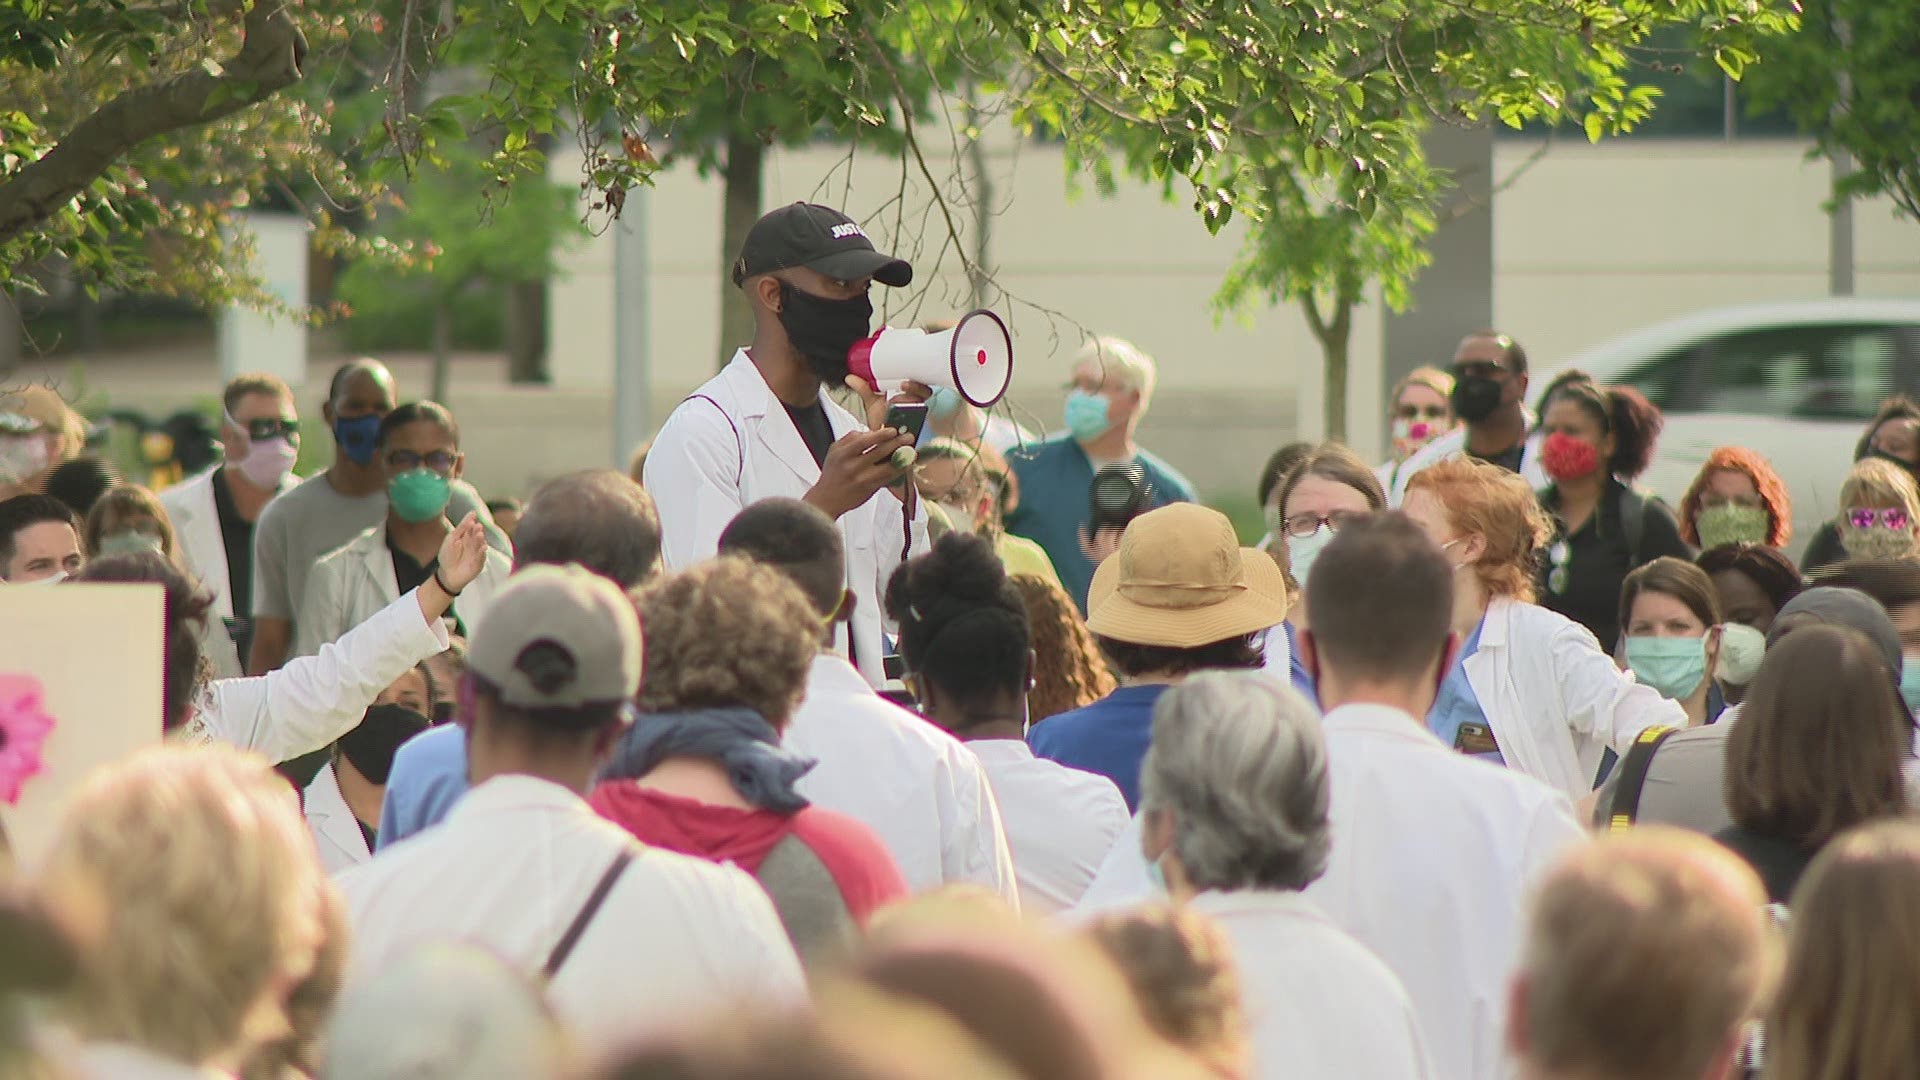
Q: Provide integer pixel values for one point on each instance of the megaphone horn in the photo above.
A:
(974, 359)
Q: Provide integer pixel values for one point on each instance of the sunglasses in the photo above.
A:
(440, 461)
(1420, 412)
(261, 428)
(1890, 518)
(1302, 526)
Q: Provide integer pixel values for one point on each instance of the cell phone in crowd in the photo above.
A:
(1120, 493)
(895, 689)
(907, 416)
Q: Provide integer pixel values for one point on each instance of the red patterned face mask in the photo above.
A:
(1567, 458)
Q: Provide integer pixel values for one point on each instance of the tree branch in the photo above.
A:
(269, 60)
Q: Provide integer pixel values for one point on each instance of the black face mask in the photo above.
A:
(1475, 397)
(370, 747)
(823, 330)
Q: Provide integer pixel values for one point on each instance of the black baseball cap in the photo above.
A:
(819, 238)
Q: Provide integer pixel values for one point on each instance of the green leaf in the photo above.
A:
(1596, 126)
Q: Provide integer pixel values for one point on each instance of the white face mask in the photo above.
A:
(51, 579)
(22, 456)
(1303, 550)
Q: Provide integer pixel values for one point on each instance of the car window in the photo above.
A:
(1666, 379)
(1809, 372)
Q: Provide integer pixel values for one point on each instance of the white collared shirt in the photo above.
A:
(1434, 855)
(514, 864)
(336, 832)
(918, 787)
(1318, 1005)
(1060, 822)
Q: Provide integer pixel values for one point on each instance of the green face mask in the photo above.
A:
(1910, 683)
(1731, 523)
(419, 494)
(1673, 666)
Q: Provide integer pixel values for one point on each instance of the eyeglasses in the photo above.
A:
(1890, 518)
(261, 428)
(440, 461)
(1302, 526)
(1420, 412)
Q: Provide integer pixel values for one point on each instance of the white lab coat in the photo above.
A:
(919, 788)
(1452, 445)
(336, 832)
(197, 538)
(1434, 857)
(1554, 699)
(732, 444)
(1060, 822)
(677, 939)
(313, 700)
(1318, 1005)
(355, 580)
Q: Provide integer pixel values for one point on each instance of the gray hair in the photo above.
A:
(1123, 361)
(1239, 763)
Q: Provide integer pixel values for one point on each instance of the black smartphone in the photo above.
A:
(908, 416)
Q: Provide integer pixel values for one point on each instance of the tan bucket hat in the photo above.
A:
(1180, 579)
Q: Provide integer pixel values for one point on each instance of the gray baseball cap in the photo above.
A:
(559, 637)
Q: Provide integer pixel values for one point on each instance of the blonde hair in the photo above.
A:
(727, 632)
(1488, 501)
(1645, 953)
(1849, 996)
(193, 868)
(51, 412)
(1430, 377)
(1068, 671)
(1877, 482)
(1118, 356)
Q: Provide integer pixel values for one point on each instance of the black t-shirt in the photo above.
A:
(1778, 862)
(1510, 460)
(1580, 575)
(409, 575)
(236, 535)
(811, 422)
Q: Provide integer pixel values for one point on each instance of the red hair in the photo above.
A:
(1773, 493)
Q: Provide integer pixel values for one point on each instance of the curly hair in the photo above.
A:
(727, 632)
(1069, 672)
(1179, 965)
(1623, 412)
(1486, 500)
(1773, 493)
(963, 626)
(186, 606)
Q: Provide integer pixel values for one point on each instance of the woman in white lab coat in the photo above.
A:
(313, 700)
(1532, 688)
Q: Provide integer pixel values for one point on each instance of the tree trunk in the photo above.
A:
(442, 347)
(11, 334)
(526, 331)
(1334, 335)
(982, 197)
(746, 155)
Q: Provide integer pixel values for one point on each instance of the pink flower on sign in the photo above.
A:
(24, 724)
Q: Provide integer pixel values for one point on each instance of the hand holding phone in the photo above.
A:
(908, 417)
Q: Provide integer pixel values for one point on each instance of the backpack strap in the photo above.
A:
(1633, 776)
(739, 444)
(578, 928)
(1633, 523)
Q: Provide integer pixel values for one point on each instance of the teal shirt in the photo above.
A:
(1056, 483)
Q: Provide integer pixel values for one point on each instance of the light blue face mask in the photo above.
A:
(1087, 415)
(943, 402)
(1303, 551)
(1673, 666)
(1910, 683)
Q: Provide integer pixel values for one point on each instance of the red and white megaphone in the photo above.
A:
(974, 359)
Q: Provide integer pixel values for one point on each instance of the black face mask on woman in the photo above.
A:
(823, 330)
(370, 747)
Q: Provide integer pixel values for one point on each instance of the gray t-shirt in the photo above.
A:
(313, 519)
(1685, 779)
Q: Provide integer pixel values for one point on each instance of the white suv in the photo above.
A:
(1796, 382)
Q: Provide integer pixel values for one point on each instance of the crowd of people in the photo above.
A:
(819, 747)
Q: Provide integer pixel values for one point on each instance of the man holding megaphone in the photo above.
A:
(765, 426)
